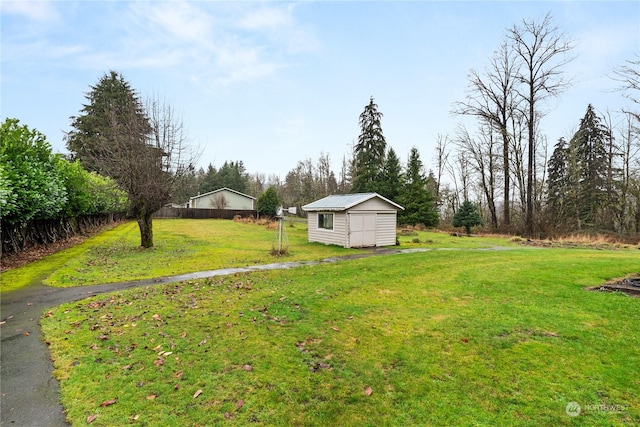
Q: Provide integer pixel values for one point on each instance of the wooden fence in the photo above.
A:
(197, 213)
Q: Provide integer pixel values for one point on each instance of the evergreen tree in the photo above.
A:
(417, 200)
(591, 144)
(558, 184)
(113, 118)
(391, 178)
(369, 152)
(268, 203)
(467, 216)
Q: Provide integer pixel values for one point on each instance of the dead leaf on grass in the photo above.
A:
(368, 391)
(247, 368)
(335, 328)
(91, 418)
(240, 404)
(108, 402)
(197, 393)
(152, 396)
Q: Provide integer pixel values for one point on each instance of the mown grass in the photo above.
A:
(184, 246)
(181, 246)
(436, 338)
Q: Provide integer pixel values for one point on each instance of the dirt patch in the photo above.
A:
(628, 285)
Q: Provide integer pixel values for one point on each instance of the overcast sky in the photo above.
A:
(271, 83)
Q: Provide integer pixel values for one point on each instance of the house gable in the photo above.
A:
(223, 198)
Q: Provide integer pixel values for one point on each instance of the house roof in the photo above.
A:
(342, 202)
(219, 190)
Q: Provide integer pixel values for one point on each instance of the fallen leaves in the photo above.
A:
(108, 402)
(91, 418)
(197, 393)
(368, 391)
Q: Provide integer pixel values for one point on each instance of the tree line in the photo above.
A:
(591, 180)
(589, 183)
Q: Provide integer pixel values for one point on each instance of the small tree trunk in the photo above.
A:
(146, 229)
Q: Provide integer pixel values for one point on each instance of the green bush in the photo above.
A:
(36, 184)
(31, 186)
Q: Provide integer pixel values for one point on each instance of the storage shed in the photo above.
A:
(353, 220)
(223, 198)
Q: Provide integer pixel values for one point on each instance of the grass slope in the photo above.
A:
(438, 338)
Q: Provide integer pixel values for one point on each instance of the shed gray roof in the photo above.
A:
(342, 202)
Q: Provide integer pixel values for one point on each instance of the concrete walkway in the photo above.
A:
(30, 394)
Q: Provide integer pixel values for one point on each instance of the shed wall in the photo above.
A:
(337, 236)
(386, 229)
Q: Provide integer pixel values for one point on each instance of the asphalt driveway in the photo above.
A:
(30, 394)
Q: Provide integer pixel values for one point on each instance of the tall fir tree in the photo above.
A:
(591, 144)
(369, 152)
(558, 183)
(417, 200)
(113, 113)
(391, 178)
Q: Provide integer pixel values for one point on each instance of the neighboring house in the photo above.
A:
(224, 198)
(353, 220)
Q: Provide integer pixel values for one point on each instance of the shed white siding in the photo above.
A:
(337, 236)
(386, 229)
(372, 205)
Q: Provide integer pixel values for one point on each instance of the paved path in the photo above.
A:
(30, 394)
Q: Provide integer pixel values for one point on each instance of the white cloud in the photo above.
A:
(268, 18)
(175, 21)
(40, 11)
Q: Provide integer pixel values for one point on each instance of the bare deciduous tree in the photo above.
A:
(492, 98)
(542, 48)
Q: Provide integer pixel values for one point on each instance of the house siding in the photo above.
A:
(234, 201)
(329, 237)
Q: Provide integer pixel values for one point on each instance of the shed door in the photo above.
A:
(362, 229)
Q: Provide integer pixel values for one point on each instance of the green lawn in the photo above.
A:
(181, 246)
(465, 337)
(185, 246)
